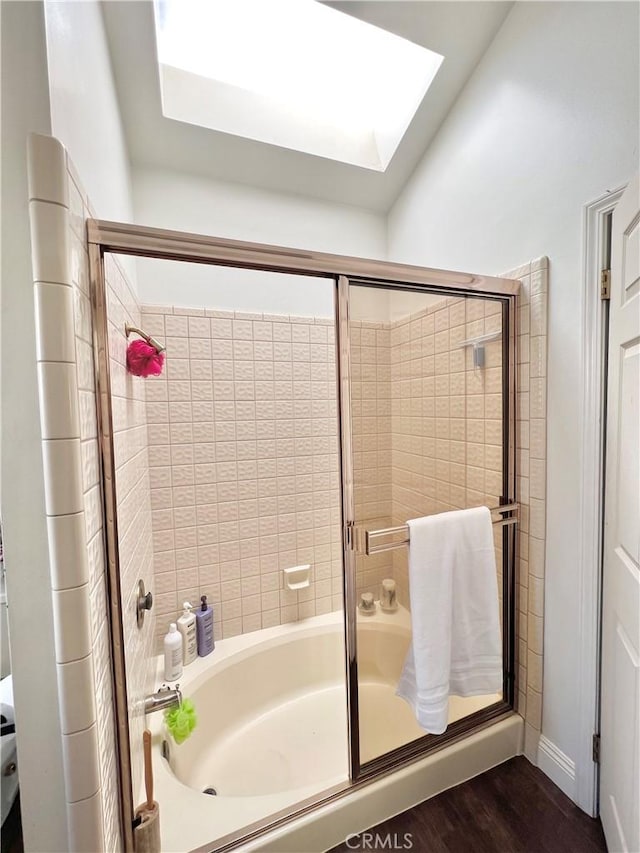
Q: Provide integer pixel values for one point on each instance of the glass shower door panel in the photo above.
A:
(427, 430)
(237, 499)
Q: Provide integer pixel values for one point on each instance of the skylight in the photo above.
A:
(293, 73)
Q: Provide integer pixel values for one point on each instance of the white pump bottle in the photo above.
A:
(187, 627)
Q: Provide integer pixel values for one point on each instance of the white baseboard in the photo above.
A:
(557, 766)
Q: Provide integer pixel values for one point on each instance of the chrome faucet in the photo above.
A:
(166, 697)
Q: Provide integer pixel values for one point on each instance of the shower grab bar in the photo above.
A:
(372, 547)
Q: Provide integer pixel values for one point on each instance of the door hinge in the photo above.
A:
(605, 284)
(595, 749)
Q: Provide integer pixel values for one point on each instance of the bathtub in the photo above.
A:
(272, 732)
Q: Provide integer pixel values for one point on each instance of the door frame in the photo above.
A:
(594, 311)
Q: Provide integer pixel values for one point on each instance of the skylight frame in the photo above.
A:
(324, 109)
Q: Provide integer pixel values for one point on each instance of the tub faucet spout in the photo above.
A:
(164, 698)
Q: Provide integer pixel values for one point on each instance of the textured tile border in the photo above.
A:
(531, 443)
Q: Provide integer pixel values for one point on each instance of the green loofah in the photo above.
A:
(181, 721)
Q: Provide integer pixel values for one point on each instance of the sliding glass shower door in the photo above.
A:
(431, 407)
(301, 419)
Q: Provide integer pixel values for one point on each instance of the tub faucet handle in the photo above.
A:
(166, 697)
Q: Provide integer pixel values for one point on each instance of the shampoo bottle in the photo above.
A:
(187, 627)
(172, 654)
(204, 628)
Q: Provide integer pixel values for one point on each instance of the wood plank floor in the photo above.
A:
(513, 808)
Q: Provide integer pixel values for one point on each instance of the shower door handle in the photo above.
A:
(144, 603)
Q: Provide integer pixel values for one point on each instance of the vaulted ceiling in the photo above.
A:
(460, 31)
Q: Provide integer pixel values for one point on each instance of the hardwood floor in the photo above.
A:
(513, 808)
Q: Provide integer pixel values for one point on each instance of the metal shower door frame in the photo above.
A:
(458, 729)
(125, 239)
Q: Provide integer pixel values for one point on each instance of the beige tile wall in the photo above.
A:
(427, 425)
(370, 349)
(446, 427)
(133, 498)
(244, 465)
(531, 468)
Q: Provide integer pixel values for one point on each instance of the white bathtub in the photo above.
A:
(272, 728)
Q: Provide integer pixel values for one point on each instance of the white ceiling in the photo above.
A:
(460, 31)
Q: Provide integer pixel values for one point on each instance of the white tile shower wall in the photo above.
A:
(243, 452)
(74, 515)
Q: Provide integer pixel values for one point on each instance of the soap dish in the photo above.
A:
(297, 577)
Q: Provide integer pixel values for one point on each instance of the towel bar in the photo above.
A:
(371, 547)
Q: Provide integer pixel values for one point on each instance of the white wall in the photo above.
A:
(188, 203)
(25, 107)
(171, 283)
(85, 115)
(547, 123)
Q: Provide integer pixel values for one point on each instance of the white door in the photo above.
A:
(620, 723)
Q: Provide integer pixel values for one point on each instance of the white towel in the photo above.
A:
(456, 645)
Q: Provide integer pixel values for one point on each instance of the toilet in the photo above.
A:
(8, 752)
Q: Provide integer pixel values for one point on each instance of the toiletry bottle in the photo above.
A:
(187, 627)
(204, 628)
(367, 605)
(388, 596)
(172, 653)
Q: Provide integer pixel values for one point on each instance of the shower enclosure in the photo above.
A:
(280, 439)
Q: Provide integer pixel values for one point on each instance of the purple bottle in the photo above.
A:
(204, 628)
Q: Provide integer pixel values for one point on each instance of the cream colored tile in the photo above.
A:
(538, 394)
(534, 671)
(537, 476)
(67, 551)
(539, 314)
(536, 596)
(199, 327)
(58, 394)
(535, 633)
(538, 353)
(54, 310)
(50, 248)
(85, 825)
(523, 320)
(177, 327)
(77, 698)
(536, 557)
(63, 476)
(534, 709)
(538, 438)
(537, 518)
(531, 741)
(47, 169)
(73, 624)
(541, 263)
(81, 766)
